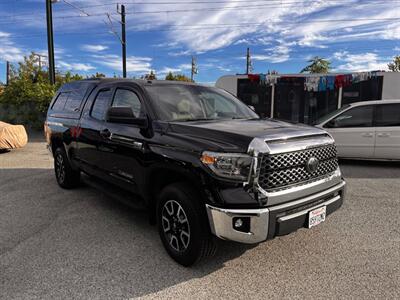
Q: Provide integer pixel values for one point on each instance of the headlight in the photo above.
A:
(235, 166)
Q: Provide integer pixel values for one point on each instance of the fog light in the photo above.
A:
(241, 224)
(238, 223)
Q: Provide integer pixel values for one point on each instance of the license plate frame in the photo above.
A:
(316, 216)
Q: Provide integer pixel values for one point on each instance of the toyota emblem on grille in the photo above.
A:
(312, 164)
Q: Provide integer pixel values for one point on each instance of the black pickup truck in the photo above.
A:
(202, 162)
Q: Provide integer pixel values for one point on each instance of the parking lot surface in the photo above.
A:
(82, 244)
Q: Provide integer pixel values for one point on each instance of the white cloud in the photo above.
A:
(368, 61)
(94, 48)
(281, 26)
(392, 31)
(180, 53)
(75, 66)
(185, 66)
(164, 71)
(134, 64)
(8, 50)
(4, 34)
(277, 54)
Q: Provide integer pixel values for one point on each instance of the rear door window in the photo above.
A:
(101, 103)
(71, 95)
(387, 115)
(74, 101)
(59, 103)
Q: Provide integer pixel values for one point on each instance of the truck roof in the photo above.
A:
(141, 82)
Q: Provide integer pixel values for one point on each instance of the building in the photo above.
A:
(303, 98)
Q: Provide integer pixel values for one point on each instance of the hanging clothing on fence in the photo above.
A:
(343, 80)
(330, 83)
(296, 81)
(263, 79)
(254, 78)
(272, 80)
(311, 84)
(322, 84)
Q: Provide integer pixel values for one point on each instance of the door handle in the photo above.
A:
(105, 133)
(384, 134)
(367, 134)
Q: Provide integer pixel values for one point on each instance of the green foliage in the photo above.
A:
(30, 89)
(395, 65)
(317, 65)
(99, 75)
(150, 76)
(177, 77)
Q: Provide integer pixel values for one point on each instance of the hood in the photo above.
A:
(236, 135)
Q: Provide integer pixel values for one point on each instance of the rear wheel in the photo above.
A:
(183, 225)
(66, 177)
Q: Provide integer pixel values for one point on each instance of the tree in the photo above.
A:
(317, 65)
(98, 75)
(151, 76)
(28, 94)
(395, 65)
(177, 77)
(170, 76)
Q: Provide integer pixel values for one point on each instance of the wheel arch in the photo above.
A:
(162, 176)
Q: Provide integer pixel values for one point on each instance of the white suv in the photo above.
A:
(366, 130)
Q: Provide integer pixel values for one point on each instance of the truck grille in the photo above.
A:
(280, 171)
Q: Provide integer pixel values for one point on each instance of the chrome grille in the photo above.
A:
(280, 171)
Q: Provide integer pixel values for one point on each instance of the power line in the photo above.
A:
(255, 24)
(256, 6)
(76, 7)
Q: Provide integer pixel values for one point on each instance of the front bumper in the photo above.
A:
(266, 223)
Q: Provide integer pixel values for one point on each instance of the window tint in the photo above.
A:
(100, 105)
(128, 98)
(60, 101)
(388, 115)
(71, 96)
(355, 117)
(74, 101)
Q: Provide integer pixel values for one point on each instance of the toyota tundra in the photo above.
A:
(200, 161)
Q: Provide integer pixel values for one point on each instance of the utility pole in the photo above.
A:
(50, 40)
(248, 61)
(7, 72)
(123, 39)
(194, 68)
(40, 58)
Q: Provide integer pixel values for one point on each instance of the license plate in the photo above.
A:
(316, 216)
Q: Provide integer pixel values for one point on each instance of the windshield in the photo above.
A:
(181, 103)
(330, 115)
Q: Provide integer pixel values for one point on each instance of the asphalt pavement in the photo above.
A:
(82, 244)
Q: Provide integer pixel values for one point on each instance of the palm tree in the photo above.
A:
(317, 65)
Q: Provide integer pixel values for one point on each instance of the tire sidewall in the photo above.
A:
(71, 177)
(60, 153)
(196, 223)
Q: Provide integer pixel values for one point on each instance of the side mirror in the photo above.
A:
(124, 115)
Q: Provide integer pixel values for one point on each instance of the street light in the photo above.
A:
(50, 40)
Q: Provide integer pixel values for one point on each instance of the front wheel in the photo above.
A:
(183, 226)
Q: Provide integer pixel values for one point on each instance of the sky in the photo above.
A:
(163, 35)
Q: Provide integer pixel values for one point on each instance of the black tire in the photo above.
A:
(201, 243)
(67, 178)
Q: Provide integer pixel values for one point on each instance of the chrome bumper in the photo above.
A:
(222, 220)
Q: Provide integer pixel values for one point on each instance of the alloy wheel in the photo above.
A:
(60, 168)
(176, 225)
